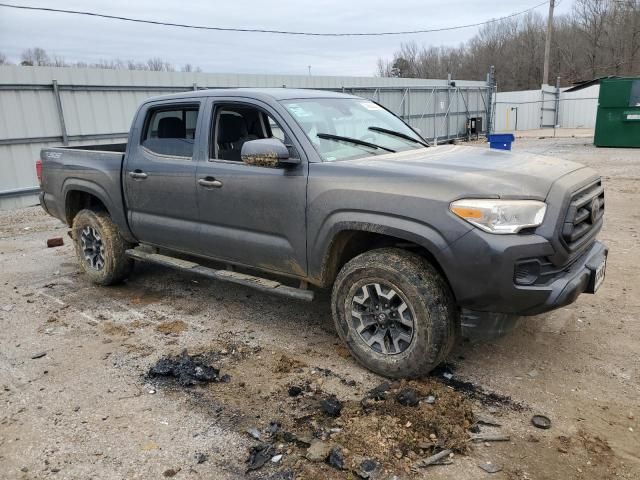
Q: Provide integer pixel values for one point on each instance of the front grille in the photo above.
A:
(584, 216)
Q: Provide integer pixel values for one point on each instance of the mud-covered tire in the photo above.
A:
(421, 287)
(115, 265)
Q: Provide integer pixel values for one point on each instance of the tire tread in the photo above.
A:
(117, 265)
(432, 292)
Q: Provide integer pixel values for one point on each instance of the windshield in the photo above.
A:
(344, 128)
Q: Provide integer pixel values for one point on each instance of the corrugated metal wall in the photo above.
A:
(98, 106)
(579, 109)
(527, 102)
(536, 110)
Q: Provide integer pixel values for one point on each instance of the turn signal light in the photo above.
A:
(466, 212)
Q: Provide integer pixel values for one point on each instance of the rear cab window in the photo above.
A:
(171, 130)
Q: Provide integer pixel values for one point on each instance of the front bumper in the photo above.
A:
(576, 279)
(480, 269)
(562, 290)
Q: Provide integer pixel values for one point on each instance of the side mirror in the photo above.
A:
(267, 152)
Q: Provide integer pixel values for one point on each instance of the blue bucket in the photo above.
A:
(501, 141)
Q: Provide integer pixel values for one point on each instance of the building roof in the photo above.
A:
(587, 83)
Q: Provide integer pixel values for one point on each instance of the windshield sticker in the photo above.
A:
(371, 106)
(298, 111)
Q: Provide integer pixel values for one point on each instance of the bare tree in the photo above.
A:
(39, 57)
(187, 67)
(598, 37)
(156, 64)
(35, 57)
(591, 17)
(59, 62)
(3, 59)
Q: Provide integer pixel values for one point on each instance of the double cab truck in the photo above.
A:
(289, 191)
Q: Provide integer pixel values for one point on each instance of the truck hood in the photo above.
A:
(474, 170)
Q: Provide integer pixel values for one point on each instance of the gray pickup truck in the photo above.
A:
(419, 244)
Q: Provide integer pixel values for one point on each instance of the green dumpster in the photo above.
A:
(618, 119)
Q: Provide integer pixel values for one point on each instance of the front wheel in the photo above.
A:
(100, 248)
(395, 312)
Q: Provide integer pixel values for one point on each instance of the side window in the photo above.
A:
(234, 125)
(276, 131)
(171, 131)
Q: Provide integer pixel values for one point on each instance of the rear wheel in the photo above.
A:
(395, 312)
(100, 248)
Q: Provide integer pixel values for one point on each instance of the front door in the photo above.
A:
(251, 215)
(159, 177)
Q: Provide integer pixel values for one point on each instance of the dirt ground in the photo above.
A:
(77, 401)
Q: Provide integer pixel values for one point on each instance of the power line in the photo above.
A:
(262, 30)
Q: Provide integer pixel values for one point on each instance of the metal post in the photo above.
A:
(542, 106)
(63, 127)
(556, 113)
(435, 119)
(402, 105)
(489, 106)
(426, 107)
(446, 115)
(466, 108)
(195, 86)
(408, 106)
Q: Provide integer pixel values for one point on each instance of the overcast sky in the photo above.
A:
(89, 39)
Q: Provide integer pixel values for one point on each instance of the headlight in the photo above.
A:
(500, 216)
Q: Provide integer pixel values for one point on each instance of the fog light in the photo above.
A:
(527, 272)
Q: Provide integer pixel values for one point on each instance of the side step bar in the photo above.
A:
(258, 283)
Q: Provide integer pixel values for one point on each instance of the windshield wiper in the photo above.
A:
(399, 135)
(355, 141)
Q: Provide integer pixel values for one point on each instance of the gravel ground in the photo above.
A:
(85, 408)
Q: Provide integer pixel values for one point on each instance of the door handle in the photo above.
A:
(138, 174)
(209, 182)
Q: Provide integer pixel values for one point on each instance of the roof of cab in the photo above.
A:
(257, 93)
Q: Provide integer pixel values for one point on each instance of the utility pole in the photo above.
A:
(547, 44)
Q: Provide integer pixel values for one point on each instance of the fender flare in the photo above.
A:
(403, 228)
(92, 188)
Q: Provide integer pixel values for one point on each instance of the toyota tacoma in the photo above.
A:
(288, 191)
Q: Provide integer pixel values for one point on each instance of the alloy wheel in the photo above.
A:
(383, 318)
(92, 247)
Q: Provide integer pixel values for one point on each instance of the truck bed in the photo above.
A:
(94, 169)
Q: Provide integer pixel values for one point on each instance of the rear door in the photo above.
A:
(251, 215)
(159, 175)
